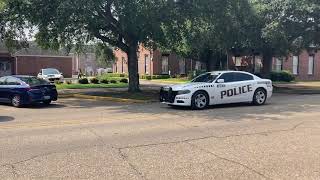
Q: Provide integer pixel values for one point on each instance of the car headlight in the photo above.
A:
(184, 92)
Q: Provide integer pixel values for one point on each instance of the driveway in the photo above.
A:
(83, 139)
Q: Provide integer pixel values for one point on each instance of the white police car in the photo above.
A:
(219, 87)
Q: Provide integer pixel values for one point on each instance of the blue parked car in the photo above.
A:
(25, 90)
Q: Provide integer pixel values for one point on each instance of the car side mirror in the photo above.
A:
(220, 81)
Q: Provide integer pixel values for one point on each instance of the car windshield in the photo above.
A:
(50, 71)
(33, 81)
(207, 77)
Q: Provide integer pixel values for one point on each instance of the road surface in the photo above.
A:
(83, 139)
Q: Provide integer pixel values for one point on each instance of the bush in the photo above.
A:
(115, 75)
(69, 82)
(104, 81)
(58, 82)
(124, 80)
(113, 81)
(149, 78)
(194, 74)
(285, 76)
(160, 76)
(83, 81)
(94, 81)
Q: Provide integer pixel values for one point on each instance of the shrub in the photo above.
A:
(58, 82)
(104, 81)
(94, 81)
(285, 76)
(115, 75)
(124, 80)
(113, 81)
(196, 73)
(148, 77)
(69, 82)
(83, 81)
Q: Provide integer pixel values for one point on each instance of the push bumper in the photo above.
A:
(170, 97)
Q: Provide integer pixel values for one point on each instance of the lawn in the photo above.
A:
(90, 86)
(172, 80)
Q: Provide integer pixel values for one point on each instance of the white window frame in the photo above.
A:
(198, 66)
(278, 65)
(295, 65)
(146, 60)
(311, 65)
(238, 62)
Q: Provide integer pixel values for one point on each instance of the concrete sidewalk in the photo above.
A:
(298, 87)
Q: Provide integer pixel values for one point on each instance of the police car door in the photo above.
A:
(225, 85)
(244, 86)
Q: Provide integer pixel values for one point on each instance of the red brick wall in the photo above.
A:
(31, 65)
(117, 67)
(303, 65)
(157, 64)
(154, 66)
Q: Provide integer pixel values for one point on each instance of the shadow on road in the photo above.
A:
(43, 106)
(6, 119)
(277, 108)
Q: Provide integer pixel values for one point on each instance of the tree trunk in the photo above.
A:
(133, 68)
(267, 64)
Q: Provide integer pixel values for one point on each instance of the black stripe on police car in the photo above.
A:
(236, 91)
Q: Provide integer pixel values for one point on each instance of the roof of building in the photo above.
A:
(33, 49)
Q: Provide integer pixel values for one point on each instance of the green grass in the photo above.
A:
(172, 80)
(112, 77)
(90, 86)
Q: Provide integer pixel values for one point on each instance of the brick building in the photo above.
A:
(305, 66)
(30, 61)
(156, 63)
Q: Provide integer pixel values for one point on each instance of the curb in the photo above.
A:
(283, 90)
(121, 100)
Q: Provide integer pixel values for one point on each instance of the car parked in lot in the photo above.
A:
(25, 90)
(51, 75)
(220, 87)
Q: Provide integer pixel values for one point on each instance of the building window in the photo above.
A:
(165, 65)
(238, 61)
(311, 65)
(182, 66)
(295, 64)
(258, 64)
(146, 60)
(2, 66)
(122, 64)
(198, 65)
(278, 66)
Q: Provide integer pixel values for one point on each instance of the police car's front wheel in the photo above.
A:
(260, 97)
(200, 100)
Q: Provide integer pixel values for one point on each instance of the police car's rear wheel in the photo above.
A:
(200, 100)
(260, 97)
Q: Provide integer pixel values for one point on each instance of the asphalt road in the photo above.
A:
(85, 139)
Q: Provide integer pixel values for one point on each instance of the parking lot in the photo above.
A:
(86, 139)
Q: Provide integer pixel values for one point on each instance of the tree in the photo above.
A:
(287, 26)
(214, 28)
(119, 23)
(104, 55)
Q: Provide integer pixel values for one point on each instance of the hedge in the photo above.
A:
(284, 76)
(148, 77)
